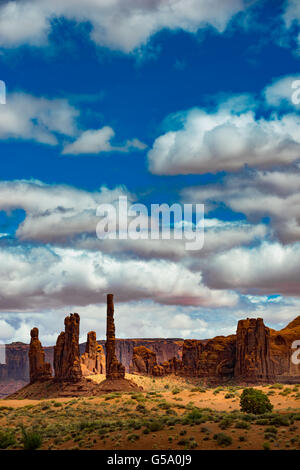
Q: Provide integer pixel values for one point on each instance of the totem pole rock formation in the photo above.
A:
(114, 369)
(66, 352)
(39, 370)
(253, 358)
(93, 360)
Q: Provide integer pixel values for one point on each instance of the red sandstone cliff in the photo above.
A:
(281, 351)
(253, 351)
(255, 354)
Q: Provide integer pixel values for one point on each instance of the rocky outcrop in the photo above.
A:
(39, 370)
(212, 360)
(66, 352)
(165, 349)
(253, 356)
(172, 366)
(215, 360)
(16, 362)
(144, 362)
(114, 369)
(92, 360)
(281, 351)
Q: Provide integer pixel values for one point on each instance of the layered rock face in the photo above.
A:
(253, 356)
(144, 361)
(212, 360)
(172, 366)
(281, 351)
(93, 359)
(66, 352)
(191, 351)
(39, 370)
(114, 369)
(165, 349)
(16, 362)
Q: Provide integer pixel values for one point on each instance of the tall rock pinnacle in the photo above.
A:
(39, 370)
(114, 369)
(66, 352)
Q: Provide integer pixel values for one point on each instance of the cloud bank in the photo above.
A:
(123, 25)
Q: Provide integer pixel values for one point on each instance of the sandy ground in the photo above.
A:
(285, 400)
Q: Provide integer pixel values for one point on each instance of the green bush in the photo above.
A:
(226, 422)
(222, 439)
(193, 417)
(7, 439)
(255, 401)
(32, 440)
(154, 426)
(229, 395)
(280, 420)
(242, 425)
(141, 408)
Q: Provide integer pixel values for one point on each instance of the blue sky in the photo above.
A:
(171, 101)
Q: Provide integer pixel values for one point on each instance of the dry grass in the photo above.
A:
(171, 413)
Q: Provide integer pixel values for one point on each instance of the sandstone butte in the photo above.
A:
(254, 354)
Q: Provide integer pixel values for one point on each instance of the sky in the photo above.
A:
(162, 101)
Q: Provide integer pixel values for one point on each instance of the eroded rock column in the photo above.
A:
(253, 361)
(39, 370)
(114, 369)
(66, 352)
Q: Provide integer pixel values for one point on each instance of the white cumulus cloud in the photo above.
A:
(118, 24)
(225, 140)
(97, 141)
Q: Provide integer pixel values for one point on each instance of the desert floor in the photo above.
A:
(170, 413)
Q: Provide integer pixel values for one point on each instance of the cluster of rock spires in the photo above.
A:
(69, 366)
(254, 354)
